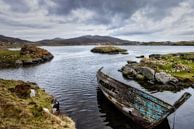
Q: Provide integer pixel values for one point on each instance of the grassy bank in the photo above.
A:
(9, 58)
(180, 65)
(20, 111)
(27, 55)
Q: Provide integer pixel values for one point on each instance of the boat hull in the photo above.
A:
(143, 108)
(125, 110)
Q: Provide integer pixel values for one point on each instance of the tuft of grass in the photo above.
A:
(19, 113)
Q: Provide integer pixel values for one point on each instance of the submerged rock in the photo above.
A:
(142, 56)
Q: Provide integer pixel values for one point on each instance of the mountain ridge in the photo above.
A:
(85, 40)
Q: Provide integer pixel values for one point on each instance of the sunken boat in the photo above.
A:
(143, 108)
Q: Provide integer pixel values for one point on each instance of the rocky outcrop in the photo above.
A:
(37, 55)
(109, 50)
(28, 55)
(149, 78)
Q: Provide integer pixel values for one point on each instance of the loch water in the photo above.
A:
(71, 78)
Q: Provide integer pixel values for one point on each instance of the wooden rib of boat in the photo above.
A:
(141, 107)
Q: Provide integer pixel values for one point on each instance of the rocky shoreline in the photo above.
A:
(28, 55)
(25, 105)
(161, 72)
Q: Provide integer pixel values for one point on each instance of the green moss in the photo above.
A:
(8, 56)
(178, 64)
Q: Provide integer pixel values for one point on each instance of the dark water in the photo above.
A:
(70, 77)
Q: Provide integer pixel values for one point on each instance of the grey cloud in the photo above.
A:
(106, 9)
(187, 33)
(129, 33)
(17, 24)
(18, 5)
(113, 17)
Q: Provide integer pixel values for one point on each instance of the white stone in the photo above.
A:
(32, 93)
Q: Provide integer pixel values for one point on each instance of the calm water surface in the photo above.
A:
(70, 77)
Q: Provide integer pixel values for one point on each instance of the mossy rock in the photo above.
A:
(109, 50)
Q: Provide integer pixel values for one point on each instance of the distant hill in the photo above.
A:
(87, 40)
(13, 42)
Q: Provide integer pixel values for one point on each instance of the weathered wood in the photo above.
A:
(140, 106)
(183, 99)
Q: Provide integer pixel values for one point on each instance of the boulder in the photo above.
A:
(139, 77)
(127, 70)
(147, 72)
(165, 78)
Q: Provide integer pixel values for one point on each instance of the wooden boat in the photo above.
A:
(141, 107)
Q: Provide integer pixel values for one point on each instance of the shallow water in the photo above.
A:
(70, 77)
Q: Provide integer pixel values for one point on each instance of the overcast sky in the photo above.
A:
(141, 20)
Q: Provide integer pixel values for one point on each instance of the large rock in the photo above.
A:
(165, 78)
(147, 72)
(127, 70)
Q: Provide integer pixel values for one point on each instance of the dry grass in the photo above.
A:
(17, 113)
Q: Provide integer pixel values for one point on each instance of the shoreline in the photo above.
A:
(34, 109)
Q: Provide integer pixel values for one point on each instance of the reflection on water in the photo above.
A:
(71, 78)
(115, 119)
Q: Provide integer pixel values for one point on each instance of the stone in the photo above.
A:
(131, 62)
(18, 62)
(32, 93)
(165, 78)
(142, 56)
(147, 72)
(139, 77)
(129, 71)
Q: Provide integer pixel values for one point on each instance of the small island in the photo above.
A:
(171, 72)
(25, 105)
(28, 55)
(108, 49)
